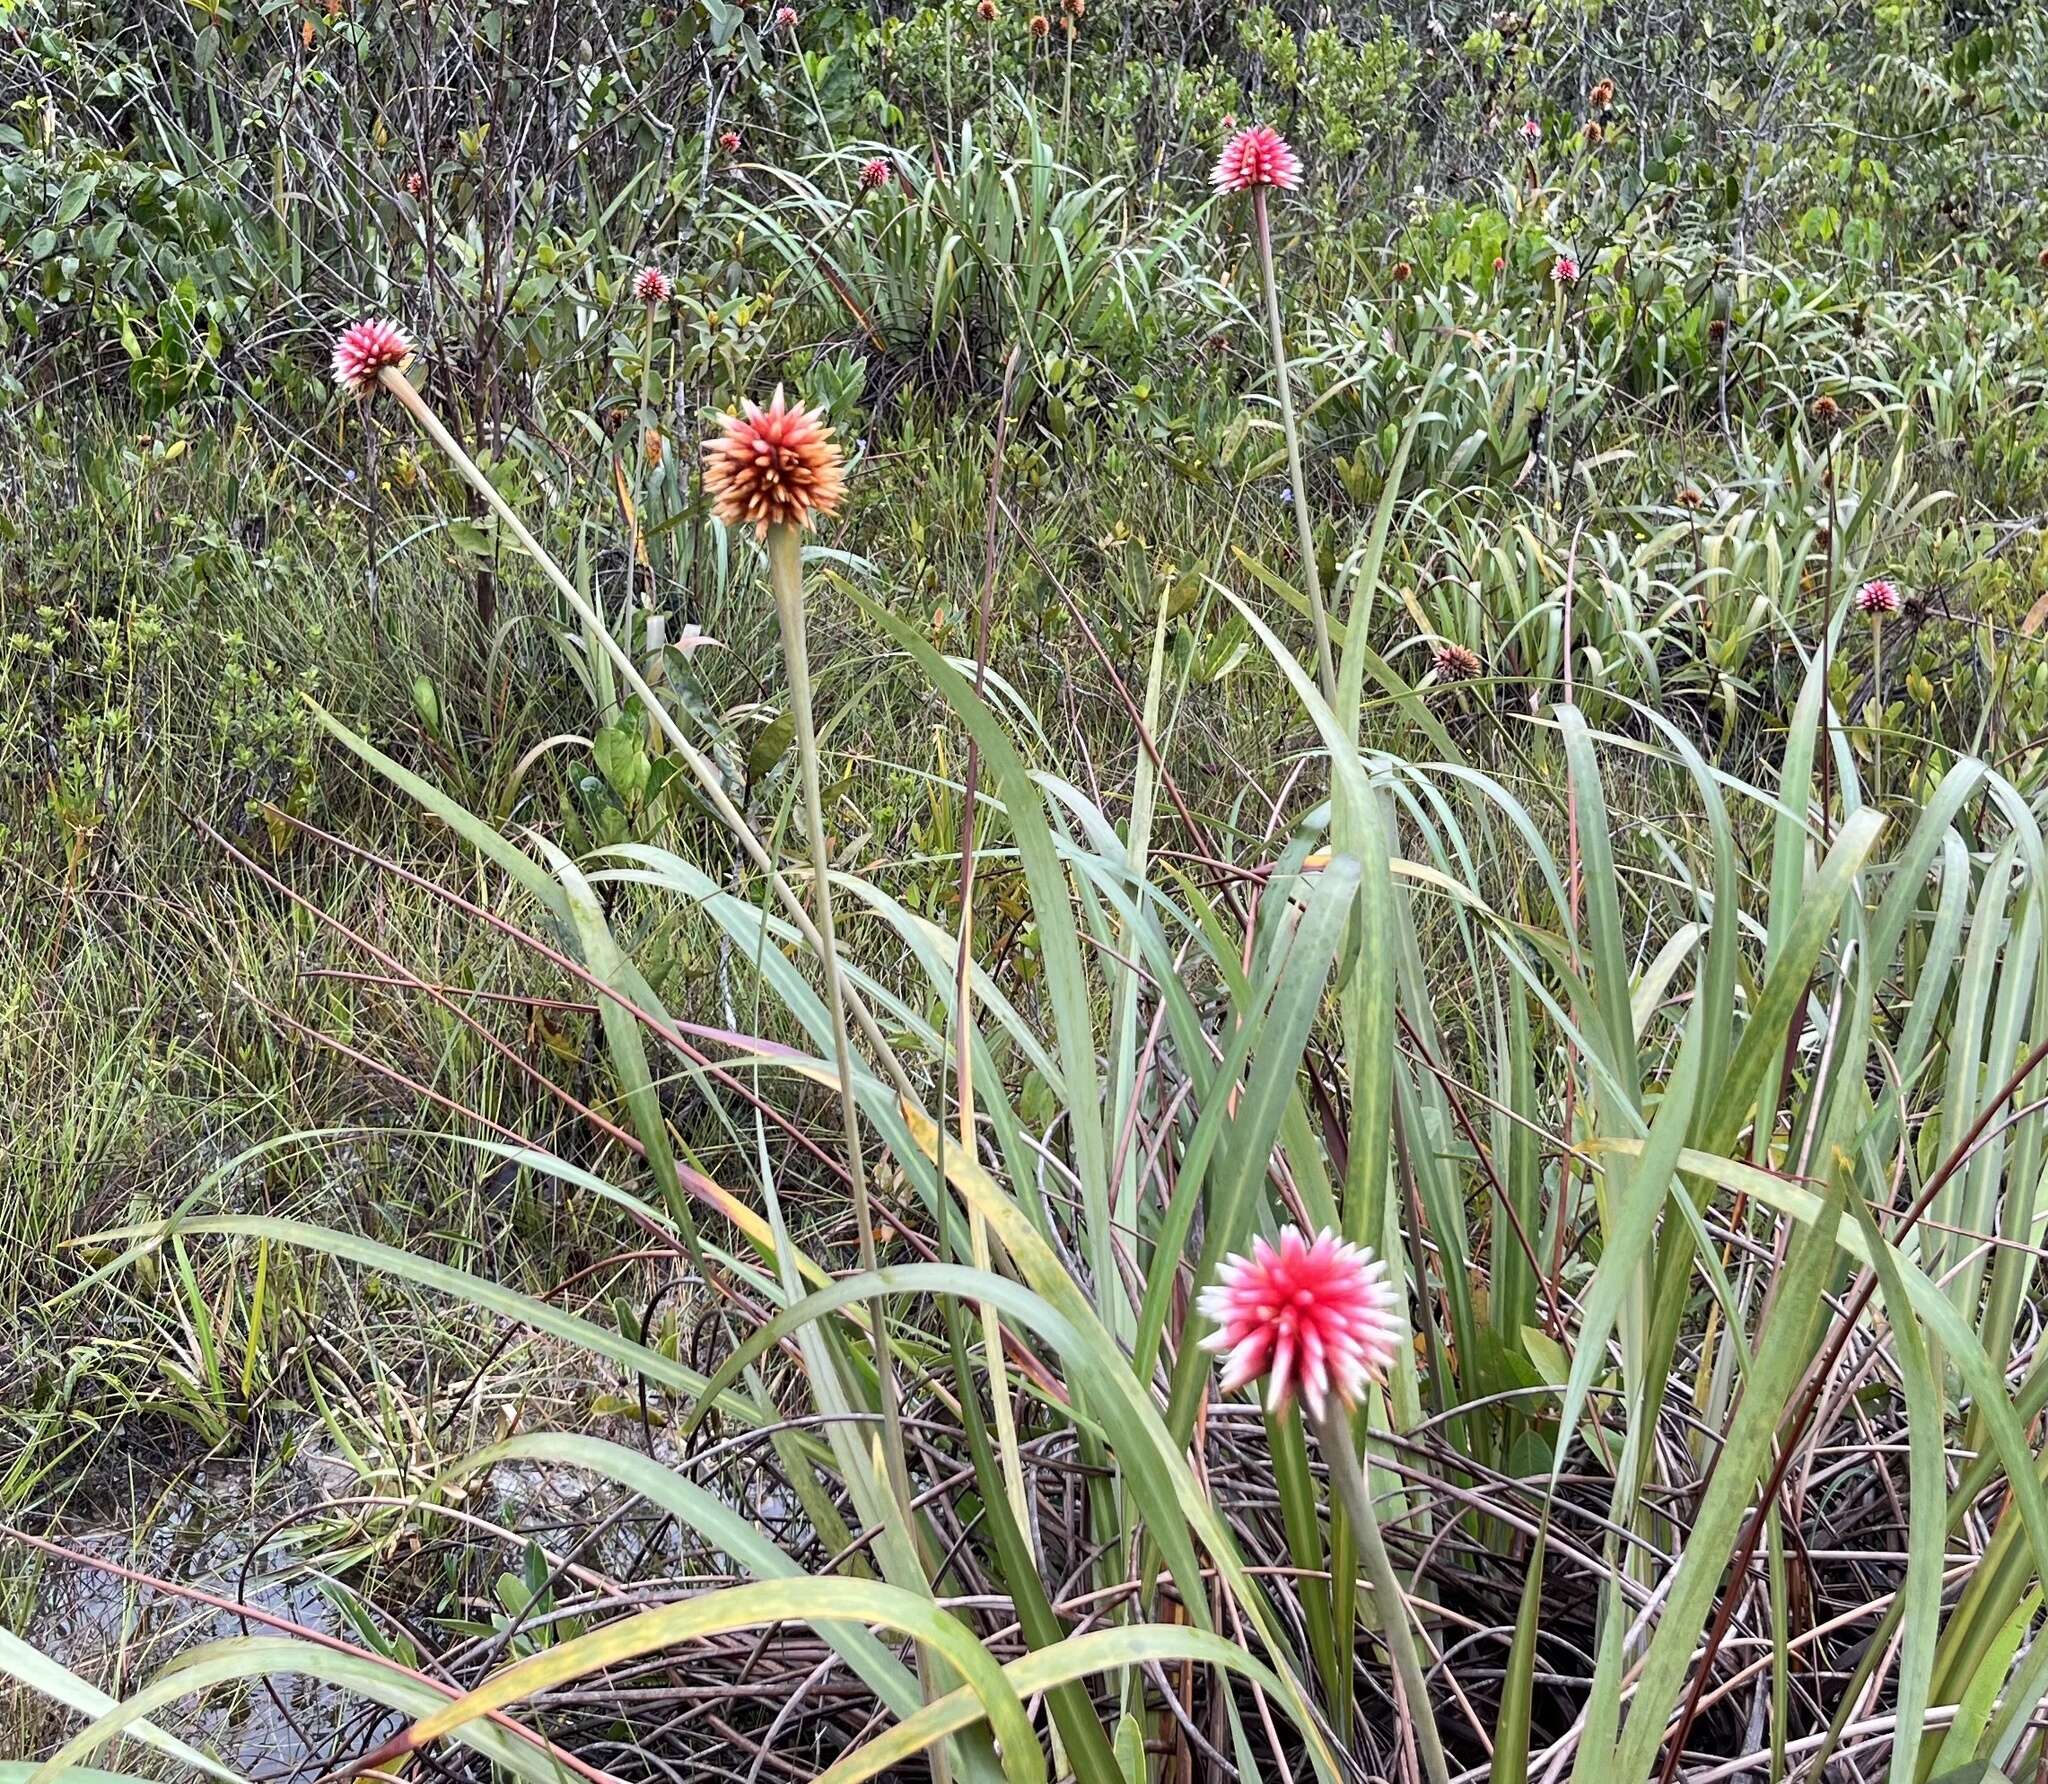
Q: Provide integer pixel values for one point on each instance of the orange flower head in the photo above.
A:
(777, 466)
(1602, 96)
(1040, 25)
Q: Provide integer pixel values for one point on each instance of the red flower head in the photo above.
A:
(876, 173)
(652, 286)
(1878, 598)
(777, 466)
(1315, 1314)
(1565, 271)
(365, 349)
(1531, 130)
(1256, 157)
(729, 141)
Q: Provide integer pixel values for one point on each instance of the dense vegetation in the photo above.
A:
(1490, 703)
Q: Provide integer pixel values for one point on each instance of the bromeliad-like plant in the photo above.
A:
(1688, 1183)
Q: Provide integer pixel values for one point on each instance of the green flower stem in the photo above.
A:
(1333, 1432)
(700, 765)
(1312, 580)
(639, 457)
(786, 576)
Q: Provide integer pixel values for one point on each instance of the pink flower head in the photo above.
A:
(1565, 271)
(777, 466)
(1878, 598)
(653, 286)
(785, 18)
(876, 173)
(1256, 157)
(1531, 130)
(1315, 1314)
(364, 349)
(729, 141)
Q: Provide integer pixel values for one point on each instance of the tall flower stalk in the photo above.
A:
(1316, 1317)
(1256, 160)
(653, 289)
(777, 470)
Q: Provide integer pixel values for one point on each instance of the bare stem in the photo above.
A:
(1311, 577)
(1333, 1433)
(786, 576)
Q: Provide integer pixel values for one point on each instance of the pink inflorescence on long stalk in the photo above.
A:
(1878, 598)
(1565, 270)
(653, 286)
(875, 173)
(1315, 1315)
(364, 349)
(777, 466)
(1258, 156)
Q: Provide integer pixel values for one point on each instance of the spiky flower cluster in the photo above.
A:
(652, 286)
(785, 18)
(876, 173)
(1564, 270)
(1257, 156)
(1455, 663)
(777, 466)
(1315, 1315)
(729, 141)
(1878, 598)
(364, 349)
(1825, 413)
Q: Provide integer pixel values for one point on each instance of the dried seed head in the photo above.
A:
(1454, 662)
